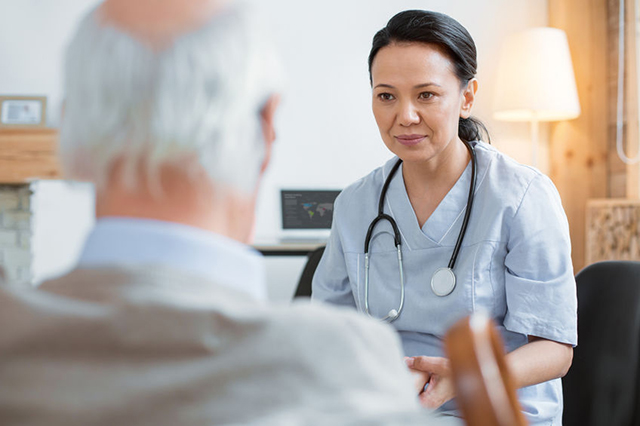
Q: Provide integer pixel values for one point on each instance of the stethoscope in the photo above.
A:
(443, 281)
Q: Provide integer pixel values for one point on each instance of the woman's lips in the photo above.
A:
(409, 140)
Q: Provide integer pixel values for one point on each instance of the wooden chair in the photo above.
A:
(485, 392)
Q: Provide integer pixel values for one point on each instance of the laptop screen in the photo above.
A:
(307, 209)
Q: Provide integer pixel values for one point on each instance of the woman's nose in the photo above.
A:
(408, 114)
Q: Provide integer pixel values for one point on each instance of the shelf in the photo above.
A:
(28, 154)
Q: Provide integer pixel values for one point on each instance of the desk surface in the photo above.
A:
(275, 248)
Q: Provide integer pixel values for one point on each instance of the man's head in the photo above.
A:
(153, 85)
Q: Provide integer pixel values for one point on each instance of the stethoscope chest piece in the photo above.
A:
(443, 282)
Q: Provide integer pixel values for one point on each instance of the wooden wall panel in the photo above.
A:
(578, 148)
(617, 171)
(630, 100)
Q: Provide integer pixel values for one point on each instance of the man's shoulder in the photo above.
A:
(144, 301)
(313, 327)
(158, 285)
(349, 355)
(316, 315)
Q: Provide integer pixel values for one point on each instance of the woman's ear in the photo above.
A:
(468, 96)
(268, 130)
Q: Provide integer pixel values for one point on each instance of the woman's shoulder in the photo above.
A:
(368, 186)
(507, 174)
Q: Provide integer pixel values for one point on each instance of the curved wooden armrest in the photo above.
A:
(485, 392)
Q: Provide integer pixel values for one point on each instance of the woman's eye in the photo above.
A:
(385, 96)
(426, 95)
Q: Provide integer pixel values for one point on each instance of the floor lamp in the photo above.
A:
(535, 81)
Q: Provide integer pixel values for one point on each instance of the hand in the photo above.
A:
(435, 372)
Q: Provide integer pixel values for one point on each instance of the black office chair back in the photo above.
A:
(603, 384)
(304, 284)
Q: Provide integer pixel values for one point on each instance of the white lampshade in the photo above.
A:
(535, 80)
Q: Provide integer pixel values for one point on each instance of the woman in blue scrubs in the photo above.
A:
(514, 260)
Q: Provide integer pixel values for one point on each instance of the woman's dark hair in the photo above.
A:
(422, 26)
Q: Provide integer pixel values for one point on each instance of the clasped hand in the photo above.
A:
(436, 373)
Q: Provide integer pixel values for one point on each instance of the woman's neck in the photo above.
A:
(428, 182)
(447, 165)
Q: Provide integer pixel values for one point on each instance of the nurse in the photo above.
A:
(513, 261)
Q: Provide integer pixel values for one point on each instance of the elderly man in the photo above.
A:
(169, 112)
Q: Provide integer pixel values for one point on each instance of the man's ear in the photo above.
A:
(468, 97)
(268, 130)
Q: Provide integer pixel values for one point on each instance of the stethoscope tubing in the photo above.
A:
(395, 313)
(467, 213)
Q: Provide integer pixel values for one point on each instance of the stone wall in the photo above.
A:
(15, 232)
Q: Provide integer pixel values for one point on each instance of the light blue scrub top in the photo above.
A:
(514, 264)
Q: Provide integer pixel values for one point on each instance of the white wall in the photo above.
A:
(326, 133)
(33, 34)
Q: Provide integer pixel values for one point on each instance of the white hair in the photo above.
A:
(200, 97)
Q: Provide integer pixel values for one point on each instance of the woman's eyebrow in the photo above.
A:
(383, 85)
(420, 86)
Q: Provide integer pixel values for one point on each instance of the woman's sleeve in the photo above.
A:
(540, 285)
(331, 280)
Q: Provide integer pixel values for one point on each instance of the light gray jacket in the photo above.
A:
(158, 347)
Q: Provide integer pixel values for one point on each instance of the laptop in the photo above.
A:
(307, 215)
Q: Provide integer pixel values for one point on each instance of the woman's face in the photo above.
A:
(418, 99)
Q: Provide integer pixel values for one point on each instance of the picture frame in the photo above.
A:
(23, 111)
